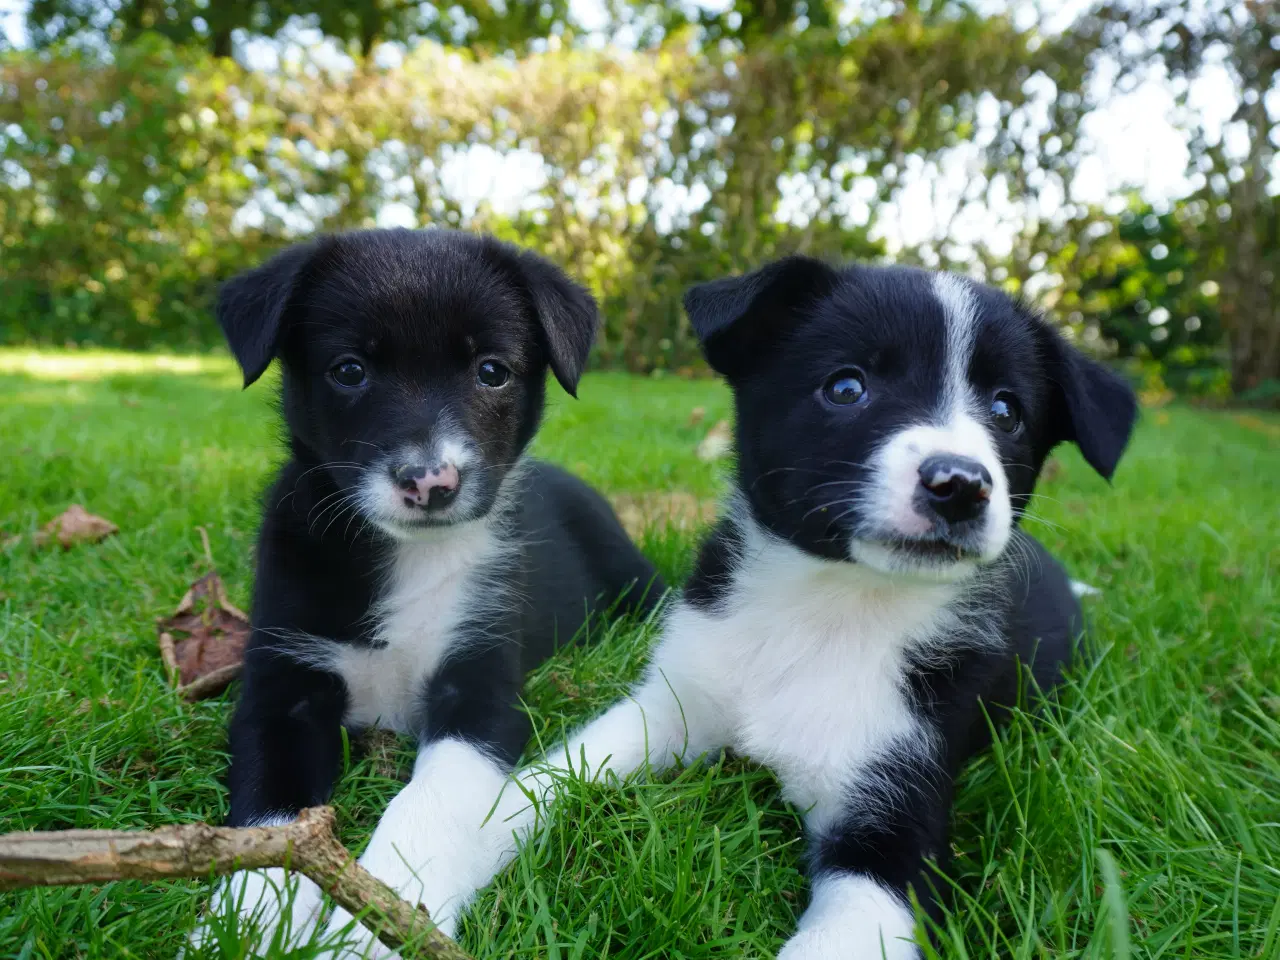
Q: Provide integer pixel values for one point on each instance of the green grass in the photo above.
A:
(1140, 818)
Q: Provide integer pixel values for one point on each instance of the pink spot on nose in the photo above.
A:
(423, 486)
(440, 478)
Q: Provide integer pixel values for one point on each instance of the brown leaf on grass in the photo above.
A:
(677, 509)
(203, 642)
(697, 415)
(717, 443)
(1052, 470)
(75, 525)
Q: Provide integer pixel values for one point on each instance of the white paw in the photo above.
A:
(386, 860)
(1082, 589)
(264, 907)
(348, 939)
(846, 945)
(853, 918)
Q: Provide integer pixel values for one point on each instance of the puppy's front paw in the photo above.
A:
(351, 939)
(416, 861)
(853, 918)
(262, 907)
(846, 944)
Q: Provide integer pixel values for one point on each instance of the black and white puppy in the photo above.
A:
(866, 587)
(413, 564)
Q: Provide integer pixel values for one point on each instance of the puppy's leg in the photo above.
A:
(442, 838)
(666, 719)
(426, 845)
(863, 864)
(286, 750)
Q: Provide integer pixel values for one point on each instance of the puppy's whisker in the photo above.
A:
(850, 503)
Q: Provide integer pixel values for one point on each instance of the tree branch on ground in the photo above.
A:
(307, 846)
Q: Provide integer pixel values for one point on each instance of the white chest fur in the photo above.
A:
(806, 662)
(431, 588)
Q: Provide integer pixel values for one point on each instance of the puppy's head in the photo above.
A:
(898, 418)
(413, 362)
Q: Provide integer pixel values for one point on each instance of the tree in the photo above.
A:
(360, 24)
(1238, 238)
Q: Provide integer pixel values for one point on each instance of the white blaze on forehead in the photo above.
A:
(958, 426)
(960, 312)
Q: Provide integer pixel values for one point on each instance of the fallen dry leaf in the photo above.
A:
(697, 415)
(677, 509)
(76, 525)
(203, 642)
(1051, 471)
(717, 443)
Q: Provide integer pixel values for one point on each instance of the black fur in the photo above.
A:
(419, 312)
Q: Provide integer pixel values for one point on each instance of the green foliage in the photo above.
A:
(1141, 283)
(360, 24)
(130, 186)
(1234, 208)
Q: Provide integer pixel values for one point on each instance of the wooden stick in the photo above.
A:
(308, 845)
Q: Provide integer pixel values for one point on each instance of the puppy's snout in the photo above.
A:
(427, 486)
(956, 488)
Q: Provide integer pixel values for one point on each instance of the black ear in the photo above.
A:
(734, 318)
(1092, 407)
(567, 315)
(252, 305)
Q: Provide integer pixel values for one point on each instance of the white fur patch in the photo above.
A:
(960, 308)
(428, 594)
(427, 844)
(801, 670)
(852, 918)
(956, 427)
(383, 502)
(895, 478)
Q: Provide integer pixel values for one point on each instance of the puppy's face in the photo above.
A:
(898, 418)
(413, 364)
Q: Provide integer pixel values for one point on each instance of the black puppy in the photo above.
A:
(866, 588)
(412, 564)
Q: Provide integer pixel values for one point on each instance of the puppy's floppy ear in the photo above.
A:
(1091, 407)
(735, 317)
(567, 316)
(252, 305)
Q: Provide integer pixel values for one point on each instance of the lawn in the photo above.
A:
(1139, 818)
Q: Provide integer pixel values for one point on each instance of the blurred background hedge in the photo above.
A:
(141, 162)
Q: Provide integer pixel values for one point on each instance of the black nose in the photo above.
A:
(955, 488)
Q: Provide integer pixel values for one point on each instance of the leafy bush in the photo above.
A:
(130, 188)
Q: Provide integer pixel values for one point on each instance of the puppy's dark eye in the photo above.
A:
(348, 373)
(1006, 411)
(845, 388)
(492, 374)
